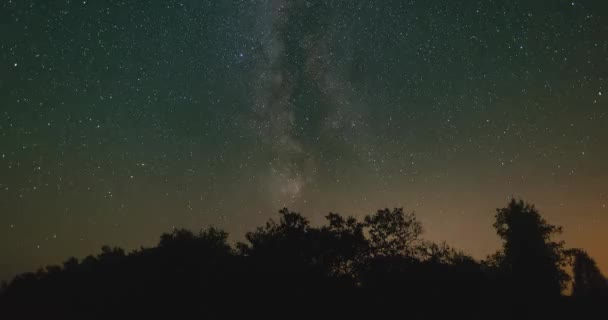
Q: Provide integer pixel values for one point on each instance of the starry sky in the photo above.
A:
(121, 119)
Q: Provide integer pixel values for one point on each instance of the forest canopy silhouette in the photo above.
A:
(374, 268)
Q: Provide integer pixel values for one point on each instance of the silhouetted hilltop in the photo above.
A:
(345, 269)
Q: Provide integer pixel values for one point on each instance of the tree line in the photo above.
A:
(377, 268)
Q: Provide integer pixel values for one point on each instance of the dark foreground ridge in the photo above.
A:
(378, 268)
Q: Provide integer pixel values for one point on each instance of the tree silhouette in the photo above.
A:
(287, 242)
(588, 279)
(345, 244)
(532, 261)
(345, 269)
(393, 233)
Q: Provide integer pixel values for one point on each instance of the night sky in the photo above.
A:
(121, 119)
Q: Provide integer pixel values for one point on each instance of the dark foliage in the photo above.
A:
(346, 269)
(588, 280)
(533, 262)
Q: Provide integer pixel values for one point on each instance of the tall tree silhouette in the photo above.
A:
(531, 259)
(588, 279)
